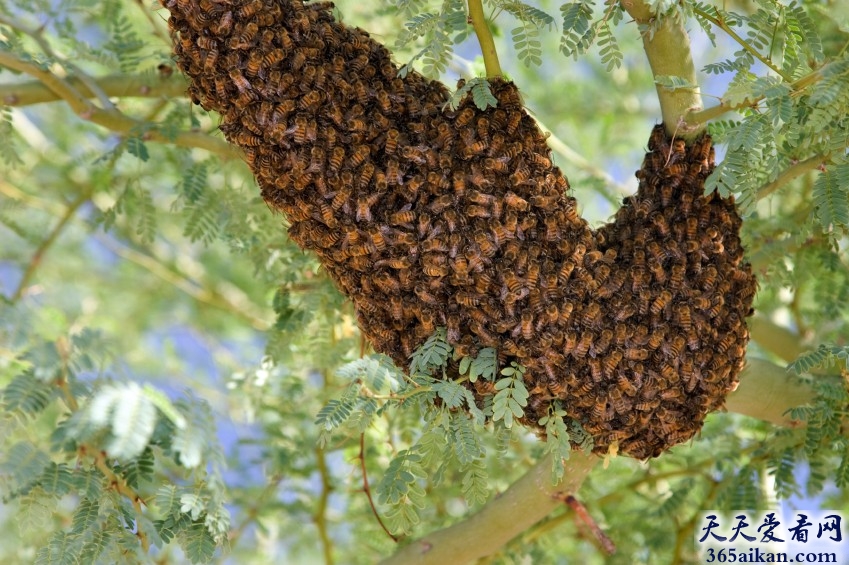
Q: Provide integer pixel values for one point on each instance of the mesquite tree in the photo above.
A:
(429, 321)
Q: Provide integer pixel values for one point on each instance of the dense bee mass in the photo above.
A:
(430, 217)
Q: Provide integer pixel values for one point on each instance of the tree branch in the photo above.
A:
(490, 55)
(743, 43)
(121, 86)
(766, 391)
(526, 502)
(111, 118)
(668, 51)
(791, 173)
(775, 339)
(38, 255)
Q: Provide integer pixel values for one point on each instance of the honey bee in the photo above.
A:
(486, 245)
(676, 278)
(491, 164)
(565, 272)
(239, 80)
(657, 271)
(526, 326)
(436, 270)
(317, 160)
(625, 385)
(249, 9)
(583, 346)
(327, 215)
(513, 120)
(686, 203)
(435, 244)
(425, 295)
(625, 312)
(520, 177)
(684, 318)
(690, 374)
(464, 117)
(478, 179)
(540, 160)
(474, 211)
(337, 156)
(674, 348)
(364, 204)
(393, 173)
(475, 148)
(452, 220)
(499, 233)
(552, 229)
(444, 135)
(210, 60)
(726, 343)
(310, 101)
(245, 138)
(224, 26)
(396, 307)
(441, 203)
(246, 38)
(404, 218)
(664, 298)
(578, 253)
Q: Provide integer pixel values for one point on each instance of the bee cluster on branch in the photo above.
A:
(426, 217)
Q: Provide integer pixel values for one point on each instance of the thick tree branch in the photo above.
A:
(526, 502)
(668, 51)
(776, 339)
(767, 391)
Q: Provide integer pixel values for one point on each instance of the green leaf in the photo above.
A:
(27, 395)
(431, 355)
(451, 393)
(56, 479)
(475, 484)
(86, 516)
(24, 463)
(484, 365)
(137, 148)
(198, 544)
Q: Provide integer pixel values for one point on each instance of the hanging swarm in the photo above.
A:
(428, 217)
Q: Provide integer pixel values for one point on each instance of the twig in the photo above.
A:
(119, 485)
(703, 116)
(490, 55)
(37, 35)
(157, 29)
(35, 261)
(367, 489)
(792, 173)
(320, 516)
(253, 510)
(733, 35)
(193, 289)
(581, 512)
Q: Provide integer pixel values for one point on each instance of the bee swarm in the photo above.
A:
(457, 218)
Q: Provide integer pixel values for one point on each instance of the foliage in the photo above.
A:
(179, 382)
